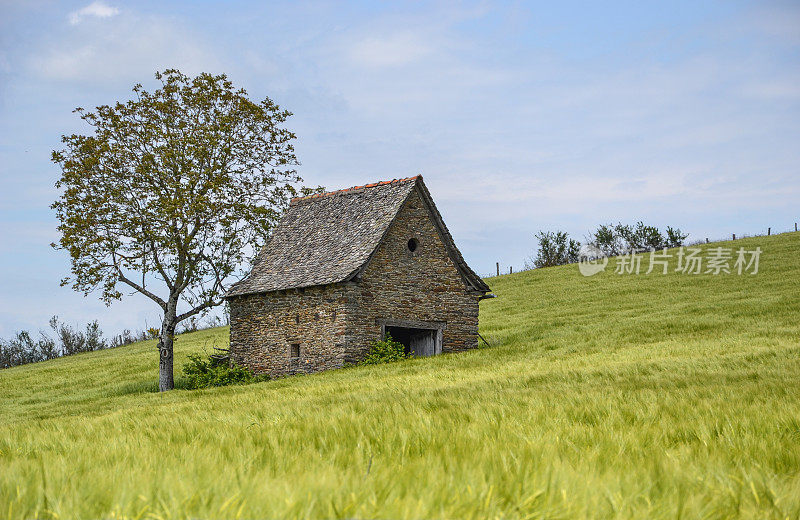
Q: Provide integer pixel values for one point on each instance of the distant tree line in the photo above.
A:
(557, 248)
(26, 347)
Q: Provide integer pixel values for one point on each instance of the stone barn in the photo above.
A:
(344, 268)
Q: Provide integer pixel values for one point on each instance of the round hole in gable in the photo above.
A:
(413, 244)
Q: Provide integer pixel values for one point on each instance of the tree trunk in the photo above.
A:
(166, 381)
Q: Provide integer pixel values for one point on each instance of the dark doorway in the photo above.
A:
(419, 342)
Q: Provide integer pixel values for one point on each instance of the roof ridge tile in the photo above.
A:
(353, 189)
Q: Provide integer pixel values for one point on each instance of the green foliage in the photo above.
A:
(555, 248)
(172, 192)
(618, 397)
(210, 169)
(675, 238)
(386, 350)
(640, 237)
(614, 240)
(208, 372)
(23, 349)
(608, 241)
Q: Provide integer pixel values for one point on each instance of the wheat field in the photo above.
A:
(614, 396)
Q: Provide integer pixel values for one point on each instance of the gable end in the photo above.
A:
(472, 281)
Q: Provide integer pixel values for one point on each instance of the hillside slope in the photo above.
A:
(614, 396)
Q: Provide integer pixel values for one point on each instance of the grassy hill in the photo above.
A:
(615, 396)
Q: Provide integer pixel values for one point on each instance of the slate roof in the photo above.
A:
(330, 237)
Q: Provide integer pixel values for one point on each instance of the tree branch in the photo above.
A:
(199, 308)
(123, 278)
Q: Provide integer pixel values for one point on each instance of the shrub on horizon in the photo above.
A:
(555, 248)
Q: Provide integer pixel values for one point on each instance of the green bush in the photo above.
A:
(385, 351)
(205, 373)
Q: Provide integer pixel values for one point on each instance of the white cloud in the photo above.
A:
(95, 10)
(123, 51)
(390, 50)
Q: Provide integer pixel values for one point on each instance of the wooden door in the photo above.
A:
(423, 342)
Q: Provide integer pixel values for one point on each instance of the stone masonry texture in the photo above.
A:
(335, 324)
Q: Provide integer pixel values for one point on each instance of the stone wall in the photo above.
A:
(423, 285)
(335, 324)
(265, 326)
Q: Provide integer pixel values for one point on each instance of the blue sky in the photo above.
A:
(521, 116)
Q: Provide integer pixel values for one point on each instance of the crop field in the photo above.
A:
(611, 396)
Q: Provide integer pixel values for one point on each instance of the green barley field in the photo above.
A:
(615, 396)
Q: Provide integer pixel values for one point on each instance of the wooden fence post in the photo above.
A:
(769, 231)
(734, 236)
(795, 226)
(498, 268)
(510, 269)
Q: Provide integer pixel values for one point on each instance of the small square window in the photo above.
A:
(294, 350)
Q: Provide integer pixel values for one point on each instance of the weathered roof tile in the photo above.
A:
(329, 237)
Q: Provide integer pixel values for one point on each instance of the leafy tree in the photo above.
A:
(555, 248)
(607, 240)
(171, 193)
(635, 237)
(648, 237)
(625, 238)
(675, 238)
